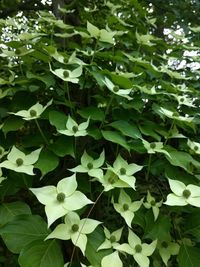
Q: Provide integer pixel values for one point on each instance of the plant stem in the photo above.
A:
(41, 132)
(66, 86)
(148, 168)
(74, 249)
(169, 132)
(106, 112)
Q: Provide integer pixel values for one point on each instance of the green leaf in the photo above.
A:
(160, 229)
(47, 162)
(8, 211)
(41, 254)
(58, 119)
(23, 230)
(192, 224)
(12, 123)
(93, 113)
(95, 239)
(115, 137)
(126, 128)
(183, 160)
(64, 145)
(188, 256)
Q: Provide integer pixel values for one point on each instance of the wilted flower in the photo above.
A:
(75, 229)
(19, 162)
(60, 200)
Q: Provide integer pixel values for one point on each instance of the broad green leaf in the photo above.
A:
(188, 256)
(8, 211)
(63, 145)
(47, 162)
(126, 128)
(115, 137)
(93, 113)
(58, 119)
(22, 231)
(160, 229)
(12, 123)
(192, 224)
(41, 254)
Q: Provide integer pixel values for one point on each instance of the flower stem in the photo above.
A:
(74, 249)
(41, 132)
(148, 167)
(106, 112)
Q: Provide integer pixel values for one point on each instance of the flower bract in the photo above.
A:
(116, 90)
(112, 239)
(152, 204)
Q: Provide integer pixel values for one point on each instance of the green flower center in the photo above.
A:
(186, 193)
(112, 239)
(60, 197)
(152, 145)
(90, 165)
(75, 227)
(196, 148)
(125, 207)
(116, 89)
(66, 74)
(19, 162)
(153, 203)
(33, 113)
(181, 99)
(122, 171)
(113, 178)
(175, 114)
(164, 244)
(75, 129)
(138, 248)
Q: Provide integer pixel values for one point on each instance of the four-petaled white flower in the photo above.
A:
(116, 90)
(125, 171)
(140, 251)
(75, 229)
(126, 208)
(183, 195)
(33, 112)
(67, 75)
(194, 146)
(167, 249)
(19, 162)
(154, 147)
(111, 239)
(90, 165)
(73, 129)
(151, 203)
(60, 200)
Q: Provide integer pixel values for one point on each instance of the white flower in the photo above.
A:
(126, 208)
(90, 165)
(116, 90)
(73, 129)
(19, 162)
(33, 112)
(183, 195)
(194, 146)
(75, 229)
(67, 75)
(140, 251)
(125, 171)
(166, 249)
(60, 200)
(151, 203)
(101, 35)
(111, 239)
(154, 147)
